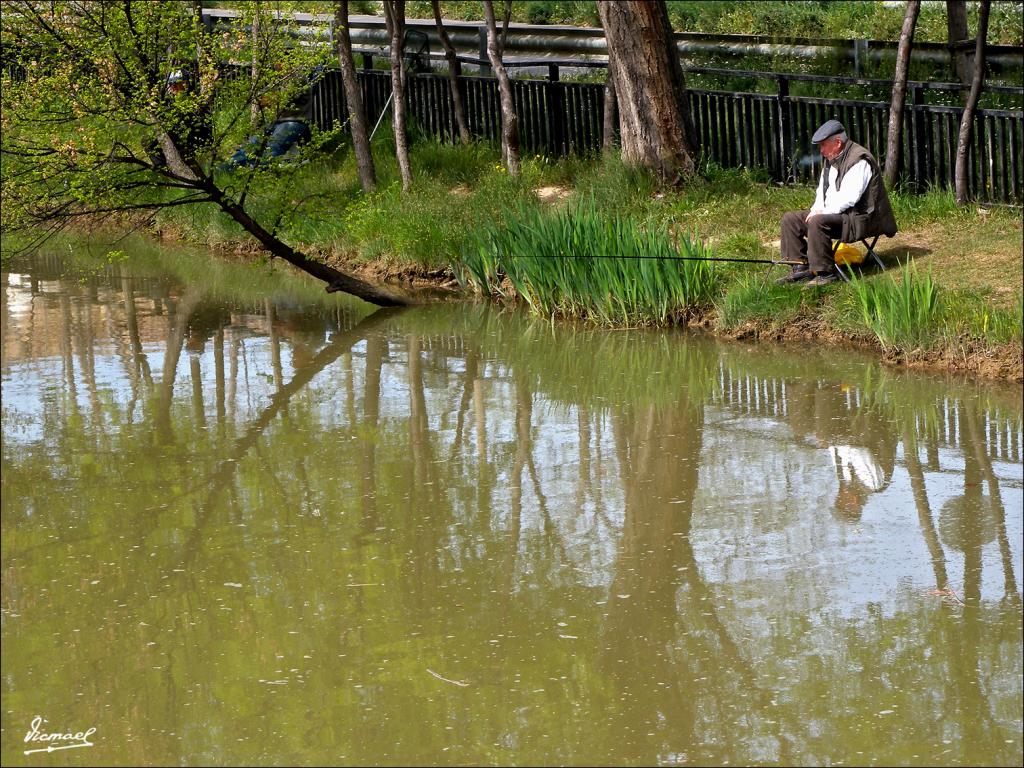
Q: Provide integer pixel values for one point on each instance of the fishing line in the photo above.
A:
(662, 258)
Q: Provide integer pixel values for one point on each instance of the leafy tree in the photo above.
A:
(94, 128)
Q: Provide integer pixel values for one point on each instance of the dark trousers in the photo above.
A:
(811, 243)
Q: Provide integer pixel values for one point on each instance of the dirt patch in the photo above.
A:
(961, 257)
(552, 194)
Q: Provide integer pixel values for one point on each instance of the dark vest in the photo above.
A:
(872, 214)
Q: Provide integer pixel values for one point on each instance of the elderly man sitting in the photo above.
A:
(850, 205)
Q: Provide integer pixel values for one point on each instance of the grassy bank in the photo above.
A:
(465, 212)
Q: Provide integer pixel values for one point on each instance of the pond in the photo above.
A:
(248, 523)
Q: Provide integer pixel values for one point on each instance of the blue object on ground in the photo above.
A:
(282, 136)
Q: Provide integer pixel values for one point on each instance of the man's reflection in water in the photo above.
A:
(860, 440)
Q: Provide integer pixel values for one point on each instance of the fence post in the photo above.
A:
(481, 31)
(366, 86)
(782, 125)
(860, 56)
(919, 149)
(555, 114)
(554, 102)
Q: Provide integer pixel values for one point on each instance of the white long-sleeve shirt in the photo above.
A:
(839, 199)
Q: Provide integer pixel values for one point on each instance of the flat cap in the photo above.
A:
(828, 128)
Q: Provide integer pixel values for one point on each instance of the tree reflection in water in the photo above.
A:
(631, 547)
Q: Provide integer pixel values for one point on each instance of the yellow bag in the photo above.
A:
(849, 255)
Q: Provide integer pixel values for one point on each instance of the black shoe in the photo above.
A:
(796, 275)
(820, 280)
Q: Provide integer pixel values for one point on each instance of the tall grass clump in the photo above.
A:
(583, 263)
(900, 312)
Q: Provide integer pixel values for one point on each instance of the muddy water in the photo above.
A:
(243, 527)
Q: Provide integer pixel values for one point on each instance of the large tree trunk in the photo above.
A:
(509, 121)
(899, 93)
(354, 98)
(454, 71)
(967, 122)
(654, 115)
(394, 16)
(958, 40)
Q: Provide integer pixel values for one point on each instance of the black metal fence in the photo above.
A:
(737, 130)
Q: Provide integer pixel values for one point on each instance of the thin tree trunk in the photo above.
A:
(199, 31)
(504, 26)
(509, 121)
(958, 40)
(611, 111)
(394, 16)
(454, 71)
(899, 92)
(967, 122)
(172, 155)
(255, 106)
(354, 99)
(654, 114)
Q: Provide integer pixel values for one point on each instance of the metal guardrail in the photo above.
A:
(587, 44)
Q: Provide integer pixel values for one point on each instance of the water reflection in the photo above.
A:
(240, 529)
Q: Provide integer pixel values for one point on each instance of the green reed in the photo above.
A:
(582, 263)
(900, 312)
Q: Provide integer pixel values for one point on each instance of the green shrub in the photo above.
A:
(900, 312)
(539, 13)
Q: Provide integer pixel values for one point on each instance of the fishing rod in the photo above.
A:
(663, 258)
